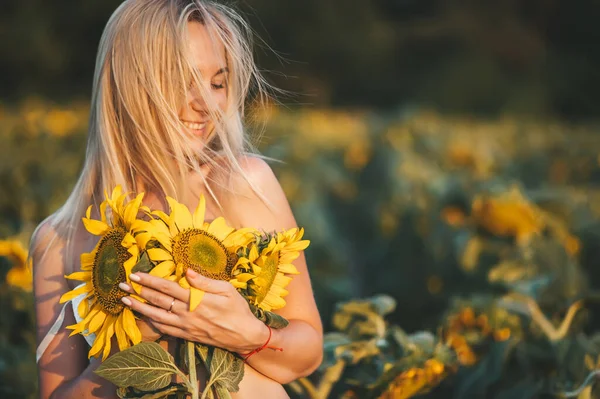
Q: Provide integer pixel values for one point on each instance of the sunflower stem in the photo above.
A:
(191, 358)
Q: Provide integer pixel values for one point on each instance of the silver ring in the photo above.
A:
(171, 307)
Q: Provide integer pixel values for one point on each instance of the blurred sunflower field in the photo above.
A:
(451, 257)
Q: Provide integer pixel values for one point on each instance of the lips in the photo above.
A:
(194, 125)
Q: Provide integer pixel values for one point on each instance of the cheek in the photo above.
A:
(222, 99)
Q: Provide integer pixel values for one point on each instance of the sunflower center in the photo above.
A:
(267, 276)
(108, 271)
(204, 253)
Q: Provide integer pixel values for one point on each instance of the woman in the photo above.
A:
(171, 82)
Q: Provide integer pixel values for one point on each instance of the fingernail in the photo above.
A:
(191, 273)
(126, 301)
(124, 287)
(134, 277)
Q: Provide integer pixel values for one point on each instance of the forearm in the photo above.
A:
(87, 385)
(302, 353)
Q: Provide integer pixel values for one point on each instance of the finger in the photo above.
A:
(180, 333)
(172, 331)
(152, 312)
(209, 285)
(157, 298)
(170, 288)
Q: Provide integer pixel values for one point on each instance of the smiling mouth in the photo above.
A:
(194, 125)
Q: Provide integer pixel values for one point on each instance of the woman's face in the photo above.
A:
(209, 59)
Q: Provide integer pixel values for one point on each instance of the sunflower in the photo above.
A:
(109, 263)
(20, 274)
(188, 241)
(262, 274)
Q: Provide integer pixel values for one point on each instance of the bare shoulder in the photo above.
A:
(46, 243)
(257, 173)
(256, 198)
(47, 250)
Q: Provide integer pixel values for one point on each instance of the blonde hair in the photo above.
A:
(142, 73)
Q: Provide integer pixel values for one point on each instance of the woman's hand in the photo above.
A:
(149, 332)
(223, 318)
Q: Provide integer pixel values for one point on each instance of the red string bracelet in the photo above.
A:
(265, 345)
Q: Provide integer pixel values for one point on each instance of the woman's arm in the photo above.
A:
(64, 371)
(302, 339)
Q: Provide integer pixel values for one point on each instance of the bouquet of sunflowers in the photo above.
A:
(258, 264)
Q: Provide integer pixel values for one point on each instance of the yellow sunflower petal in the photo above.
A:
(110, 331)
(256, 269)
(164, 240)
(136, 287)
(142, 239)
(96, 227)
(118, 204)
(129, 264)
(297, 246)
(116, 193)
(196, 296)
(78, 328)
(91, 314)
(87, 259)
(238, 284)
(272, 302)
(132, 209)
(180, 215)
(244, 277)
(242, 261)
(134, 251)
(179, 270)
(145, 209)
(159, 254)
(184, 283)
(198, 218)
(163, 269)
(239, 238)
(103, 206)
(219, 228)
(253, 255)
(288, 268)
(81, 276)
(139, 225)
(279, 291)
(97, 322)
(121, 335)
(128, 241)
(138, 298)
(130, 327)
(72, 294)
(98, 344)
(83, 308)
(281, 280)
(288, 257)
(162, 216)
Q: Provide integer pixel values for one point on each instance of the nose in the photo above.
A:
(198, 104)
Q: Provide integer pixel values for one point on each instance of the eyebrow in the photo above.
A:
(220, 71)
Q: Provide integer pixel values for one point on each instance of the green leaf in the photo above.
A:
(143, 265)
(225, 369)
(145, 366)
(269, 318)
(130, 393)
(222, 392)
